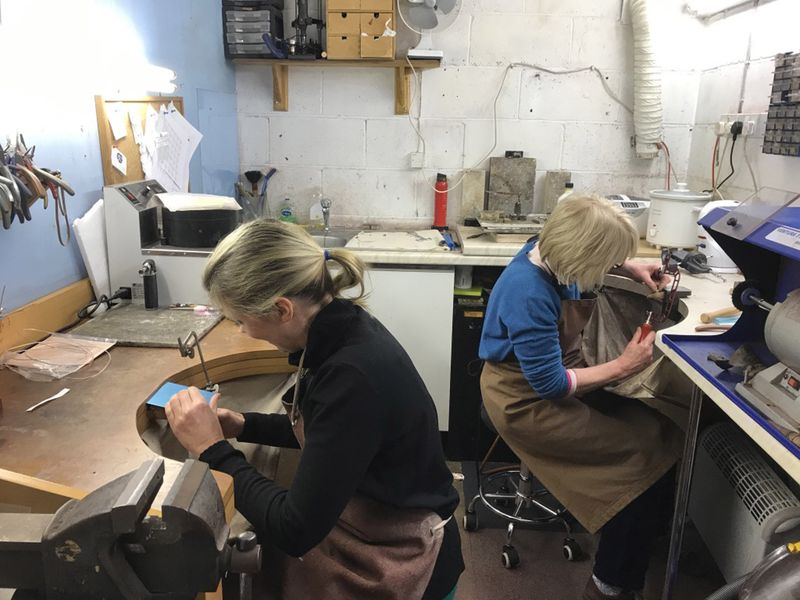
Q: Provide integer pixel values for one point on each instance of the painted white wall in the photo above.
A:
(342, 139)
(736, 78)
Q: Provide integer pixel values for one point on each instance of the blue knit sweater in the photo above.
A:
(522, 319)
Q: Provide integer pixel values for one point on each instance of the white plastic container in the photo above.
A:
(638, 209)
(673, 216)
(715, 257)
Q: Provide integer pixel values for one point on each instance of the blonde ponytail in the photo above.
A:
(263, 260)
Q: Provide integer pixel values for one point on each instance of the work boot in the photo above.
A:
(591, 592)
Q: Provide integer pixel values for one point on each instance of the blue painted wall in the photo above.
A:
(75, 40)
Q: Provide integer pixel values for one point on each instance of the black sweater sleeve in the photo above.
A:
(343, 432)
(269, 430)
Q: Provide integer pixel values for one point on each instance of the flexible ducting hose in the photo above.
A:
(729, 591)
(646, 84)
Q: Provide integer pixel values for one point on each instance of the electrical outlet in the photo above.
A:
(416, 160)
(753, 124)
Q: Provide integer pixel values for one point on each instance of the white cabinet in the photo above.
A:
(416, 305)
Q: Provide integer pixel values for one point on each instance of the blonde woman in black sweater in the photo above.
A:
(368, 514)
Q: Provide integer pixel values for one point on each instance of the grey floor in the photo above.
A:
(543, 573)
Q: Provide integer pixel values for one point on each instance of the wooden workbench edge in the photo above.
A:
(52, 312)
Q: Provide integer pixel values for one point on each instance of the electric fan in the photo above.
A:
(425, 17)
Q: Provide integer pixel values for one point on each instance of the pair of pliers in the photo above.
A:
(57, 186)
(448, 241)
(17, 193)
(38, 190)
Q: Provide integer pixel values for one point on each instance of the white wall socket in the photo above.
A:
(753, 124)
(416, 160)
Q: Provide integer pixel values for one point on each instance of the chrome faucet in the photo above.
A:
(325, 203)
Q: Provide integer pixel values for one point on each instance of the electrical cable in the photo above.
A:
(714, 156)
(93, 306)
(749, 165)
(718, 163)
(733, 170)
(671, 174)
(417, 88)
(590, 68)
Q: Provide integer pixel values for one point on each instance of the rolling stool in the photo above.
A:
(513, 494)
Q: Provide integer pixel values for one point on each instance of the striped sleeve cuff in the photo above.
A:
(572, 386)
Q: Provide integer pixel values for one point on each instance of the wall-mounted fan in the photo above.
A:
(425, 17)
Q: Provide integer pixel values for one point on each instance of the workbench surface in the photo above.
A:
(91, 435)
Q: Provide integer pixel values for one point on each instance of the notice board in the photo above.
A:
(127, 145)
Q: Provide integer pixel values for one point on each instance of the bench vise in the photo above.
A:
(106, 546)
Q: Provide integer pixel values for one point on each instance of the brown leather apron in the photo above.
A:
(374, 550)
(595, 455)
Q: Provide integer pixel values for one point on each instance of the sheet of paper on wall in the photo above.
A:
(175, 144)
(117, 118)
(118, 160)
(147, 148)
(136, 125)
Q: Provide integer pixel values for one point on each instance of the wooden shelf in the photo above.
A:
(280, 76)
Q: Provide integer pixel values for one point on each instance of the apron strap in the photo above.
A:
(296, 396)
(441, 525)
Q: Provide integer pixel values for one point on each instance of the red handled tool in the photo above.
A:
(647, 326)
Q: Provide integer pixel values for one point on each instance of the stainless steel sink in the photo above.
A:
(336, 238)
(329, 241)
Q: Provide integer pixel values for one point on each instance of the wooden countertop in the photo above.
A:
(91, 435)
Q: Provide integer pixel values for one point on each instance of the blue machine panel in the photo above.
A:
(770, 257)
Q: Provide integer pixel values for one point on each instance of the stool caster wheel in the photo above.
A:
(471, 521)
(571, 549)
(510, 557)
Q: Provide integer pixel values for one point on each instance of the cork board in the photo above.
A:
(126, 145)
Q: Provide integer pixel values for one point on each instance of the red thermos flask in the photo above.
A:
(440, 204)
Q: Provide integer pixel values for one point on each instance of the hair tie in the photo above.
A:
(326, 254)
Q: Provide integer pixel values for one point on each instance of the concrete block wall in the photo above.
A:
(740, 58)
(341, 138)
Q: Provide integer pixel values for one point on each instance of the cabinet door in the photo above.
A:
(416, 306)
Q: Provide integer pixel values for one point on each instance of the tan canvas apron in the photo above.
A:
(374, 550)
(593, 456)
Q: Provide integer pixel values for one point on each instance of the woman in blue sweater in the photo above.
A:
(608, 459)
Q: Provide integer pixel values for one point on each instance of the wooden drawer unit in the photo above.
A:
(377, 5)
(344, 47)
(376, 23)
(344, 23)
(377, 47)
(374, 44)
(356, 29)
(344, 5)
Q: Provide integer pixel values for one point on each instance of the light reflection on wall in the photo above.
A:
(58, 54)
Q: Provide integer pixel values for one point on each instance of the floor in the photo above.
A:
(543, 573)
